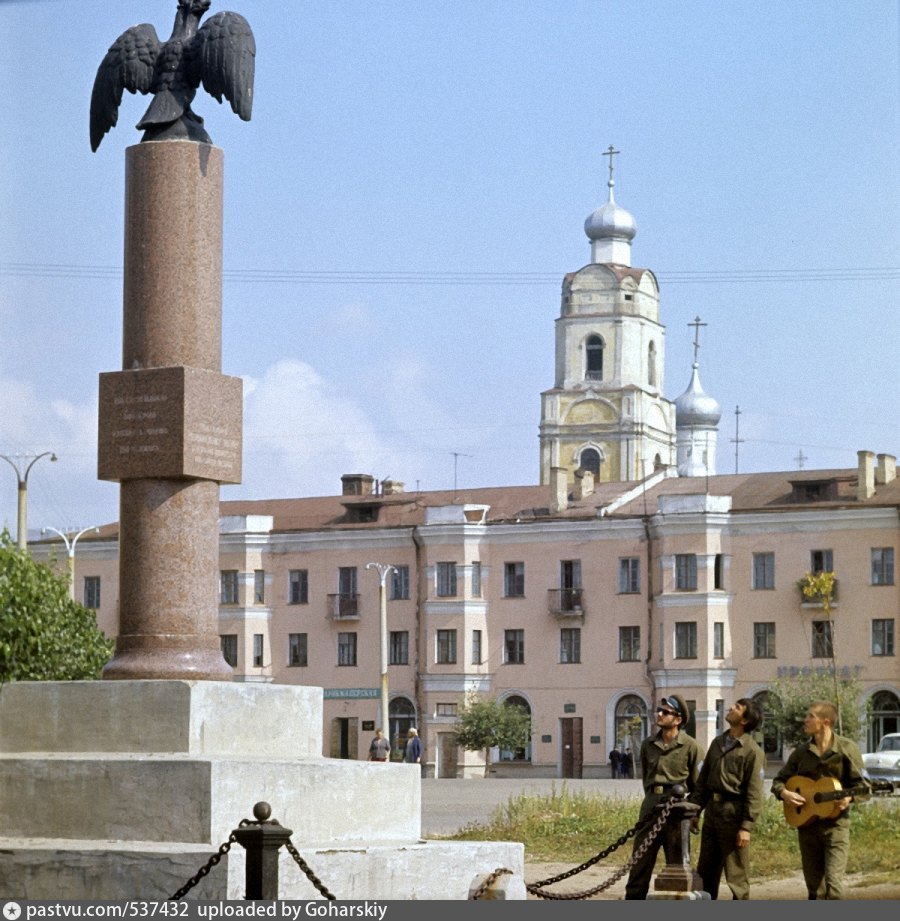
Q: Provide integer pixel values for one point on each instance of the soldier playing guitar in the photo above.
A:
(833, 769)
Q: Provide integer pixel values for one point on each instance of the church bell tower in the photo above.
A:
(606, 412)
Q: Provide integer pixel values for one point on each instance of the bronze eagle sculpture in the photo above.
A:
(221, 55)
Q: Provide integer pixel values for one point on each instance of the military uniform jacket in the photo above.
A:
(736, 774)
(664, 765)
(842, 761)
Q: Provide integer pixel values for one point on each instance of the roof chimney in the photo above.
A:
(865, 484)
(886, 471)
(357, 484)
(559, 489)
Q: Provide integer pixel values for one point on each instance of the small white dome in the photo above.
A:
(694, 407)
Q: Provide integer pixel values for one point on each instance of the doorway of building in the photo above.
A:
(448, 755)
(885, 717)
(572, 747)
(345, 737)
(402, 718)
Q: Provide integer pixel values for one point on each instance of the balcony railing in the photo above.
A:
(815, 599)
(566, 602)
(343, 607)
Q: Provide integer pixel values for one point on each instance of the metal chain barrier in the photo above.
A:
(537, 889)
(223, 850)
(304, 866)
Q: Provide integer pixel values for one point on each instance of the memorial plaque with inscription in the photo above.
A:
(170, 422)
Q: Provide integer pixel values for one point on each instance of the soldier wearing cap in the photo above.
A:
(669, 757)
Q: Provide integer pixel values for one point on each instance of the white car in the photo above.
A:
(883, 765)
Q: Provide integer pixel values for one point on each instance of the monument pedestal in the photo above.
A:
(125, 789)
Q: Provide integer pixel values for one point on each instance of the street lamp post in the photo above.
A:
(70, 549)
(16, 462)
(383, 569)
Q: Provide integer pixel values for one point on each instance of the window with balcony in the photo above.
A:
(298, 586)
(821, 561)
(629, 575)
(822, 644)
(883, 636)
(446, 580)
(764, 640)
(228, 580)
(686, 640)
(629, 644)
(514, 647)
(398, 647)
(445, 653)
(763, 571)
(882, 566)
(686, 572)
(346, 649)
(570, 645)
(92, 592)
(513, 580)
(229, 648)
(298, 650)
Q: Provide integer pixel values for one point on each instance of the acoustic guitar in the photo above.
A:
(822, 800)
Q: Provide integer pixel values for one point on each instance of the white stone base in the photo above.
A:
(125, 789)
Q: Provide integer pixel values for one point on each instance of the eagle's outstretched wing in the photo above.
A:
(223, 57)
(128, 65)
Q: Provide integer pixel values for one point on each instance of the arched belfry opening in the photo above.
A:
(593, 358)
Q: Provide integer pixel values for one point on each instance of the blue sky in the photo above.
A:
(448, 153)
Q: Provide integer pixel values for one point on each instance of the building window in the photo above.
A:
(229, 586)
(719, 572)
(476, 579)
(570, 645)
(821, 561)
(883, 566)
(593, 350)
(822, 646)
(298, 587)
(764, 640)
(446, 710)
(686, 572)
(92, 592)
(346, 649)
(883, 637)
(229, 648)
(257, 650)
(629, 644)
(629, 575)
(718, 640)
(513, 580)
(400, 583)
(686, 640)
(590, 460)
(446, 647)
(297, 649)
(476, 647)
(763, 571)
(398, 647)
(259, 586)
(446, 580)
(347, 581)
(514, 647)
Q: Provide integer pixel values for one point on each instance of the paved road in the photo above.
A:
(448, 805)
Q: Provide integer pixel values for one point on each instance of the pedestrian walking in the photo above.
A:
(379, 747)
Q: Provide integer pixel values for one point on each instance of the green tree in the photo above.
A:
(789, 698)
(485, 723)
(44, 635)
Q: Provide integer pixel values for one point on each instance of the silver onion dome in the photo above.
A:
(694, 407)
(610, 221)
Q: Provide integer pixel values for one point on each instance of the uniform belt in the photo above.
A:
(725, 797)
(658, 788)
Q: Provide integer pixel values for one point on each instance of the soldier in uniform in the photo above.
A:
(730, 791)
(668, 757)
(825, 843)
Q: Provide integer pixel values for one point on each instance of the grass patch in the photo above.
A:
(566, 827)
